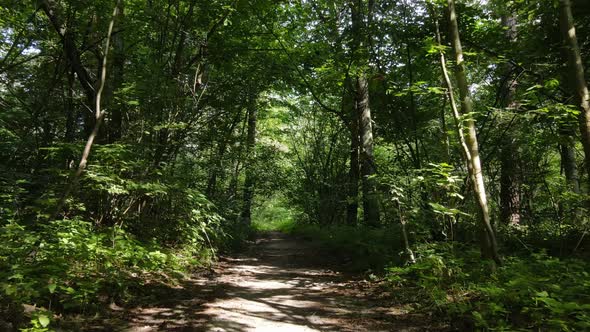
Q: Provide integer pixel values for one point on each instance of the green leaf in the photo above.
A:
(51, 288)
(43, 320)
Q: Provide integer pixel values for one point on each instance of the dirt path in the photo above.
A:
(277, 287)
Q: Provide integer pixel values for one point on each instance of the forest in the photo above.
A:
(294, 165)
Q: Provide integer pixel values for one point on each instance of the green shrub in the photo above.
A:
(70, 266)
(364, 248)
(536, 291)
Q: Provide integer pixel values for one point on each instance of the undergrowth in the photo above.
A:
(360, 248)
(120, 229)
(68, 266)
(536, 291)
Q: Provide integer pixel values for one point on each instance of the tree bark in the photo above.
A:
(509, 186)
(115, 124)
(488, 243)
(368, 169)
(70, 132)
(568, 163)
(211, 190)
(509, 180)
(250, 153)
(411, 258)
(354, 171)
(360, 60)
(578, 81)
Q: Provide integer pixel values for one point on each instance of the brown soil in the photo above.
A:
(282, 284)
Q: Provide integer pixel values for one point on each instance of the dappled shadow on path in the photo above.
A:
(279, 286)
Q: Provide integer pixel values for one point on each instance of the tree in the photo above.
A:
(489, 248)
(509, 179)
(360, 51)
(250, 153)
(578, 80)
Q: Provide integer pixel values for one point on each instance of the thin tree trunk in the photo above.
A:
(411, 97)
(406, 241)
(578, 81)
(354, 171)
(99, 117)
(211, 190)
(70, 49)
(489, 248)
(250, 153)
(568, 163)
(116, 113)
(217, 165)
(50, 7)
(70, 133)
(445, 132)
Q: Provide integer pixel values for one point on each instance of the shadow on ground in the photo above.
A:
(279, 286)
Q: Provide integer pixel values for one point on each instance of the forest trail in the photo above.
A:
(280, 284)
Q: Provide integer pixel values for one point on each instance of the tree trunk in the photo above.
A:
(578, 81)
(99, 114)
(411, 258)
(211, 190)
(509, 188)
(354, 171)
(50, 7)
(489, 248)
(250, 154)
(509, 180)
(360, 59)
(368, 169)
(568, 163)
(116, 112)
(70, 134)
(217, 165)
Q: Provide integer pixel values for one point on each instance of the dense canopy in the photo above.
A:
(441, 146)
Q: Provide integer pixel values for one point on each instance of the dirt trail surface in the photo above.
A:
(280, 285)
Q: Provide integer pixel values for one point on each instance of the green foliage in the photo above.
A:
(536, 291)
(274, 214)
(360, 248)
(125, 229)
(164, 185)
(430, 199)
(69, 265)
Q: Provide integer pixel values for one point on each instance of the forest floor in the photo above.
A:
(279, 284)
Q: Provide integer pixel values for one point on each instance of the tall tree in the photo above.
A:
(578, 80)
(489, 248)
(509, 179)
(250, 152)
(360, 54)
(354, 168)
(115, 116)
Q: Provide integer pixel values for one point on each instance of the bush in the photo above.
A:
(363, 248)
(536, 291)
(70, 266)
